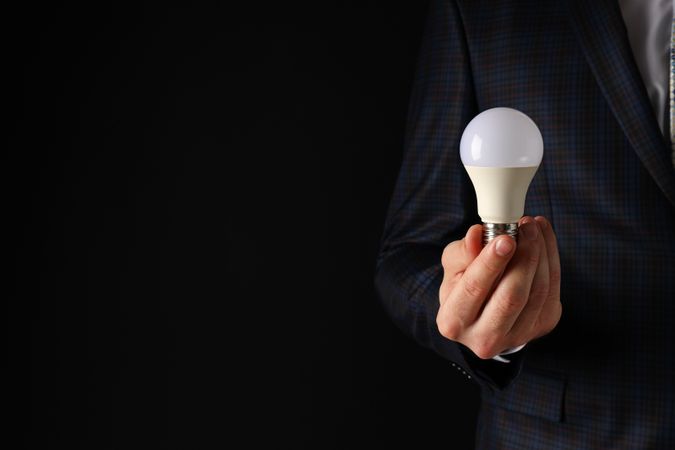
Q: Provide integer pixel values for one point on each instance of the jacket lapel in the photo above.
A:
(602, 35)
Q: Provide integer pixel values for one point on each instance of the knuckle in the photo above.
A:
(495, 322)
(532, 258)
(484, 349)
(473, 289)
(490, 265)
(448, 327)
(539, 292)
(510, 303)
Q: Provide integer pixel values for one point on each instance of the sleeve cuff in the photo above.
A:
(508, 351)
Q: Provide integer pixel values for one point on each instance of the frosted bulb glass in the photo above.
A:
(501, 149)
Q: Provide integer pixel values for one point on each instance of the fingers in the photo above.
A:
(522, 330)
(503, 295)
(552, 252)
(513, 291)
(468, 294)
(459, 254)
(552, 309)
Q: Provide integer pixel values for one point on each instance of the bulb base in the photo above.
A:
(492, 230)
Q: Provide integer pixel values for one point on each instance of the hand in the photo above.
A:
(503, 295)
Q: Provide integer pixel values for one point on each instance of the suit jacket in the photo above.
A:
(604, 377)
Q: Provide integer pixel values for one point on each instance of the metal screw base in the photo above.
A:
(492, 230)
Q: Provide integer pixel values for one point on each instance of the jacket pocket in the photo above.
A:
(535, 393)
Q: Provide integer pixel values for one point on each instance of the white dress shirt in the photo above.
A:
(649, 26)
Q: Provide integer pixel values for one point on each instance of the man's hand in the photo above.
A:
(503, 295)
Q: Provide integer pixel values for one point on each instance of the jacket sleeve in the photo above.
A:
(433, 201)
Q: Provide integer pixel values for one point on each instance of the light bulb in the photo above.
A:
(501, 149)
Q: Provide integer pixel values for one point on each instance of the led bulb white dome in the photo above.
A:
(501, 137)
(501, 149)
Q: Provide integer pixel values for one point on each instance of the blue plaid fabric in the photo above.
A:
(605, 377)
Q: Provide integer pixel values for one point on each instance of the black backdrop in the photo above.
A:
(195, 199)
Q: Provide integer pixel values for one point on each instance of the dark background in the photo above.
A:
(195, 198)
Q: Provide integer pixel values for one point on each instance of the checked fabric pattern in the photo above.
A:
(604, 377)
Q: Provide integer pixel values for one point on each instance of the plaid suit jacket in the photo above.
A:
(604, 378)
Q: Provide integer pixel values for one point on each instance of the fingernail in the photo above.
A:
(529, 229)
(504, 246)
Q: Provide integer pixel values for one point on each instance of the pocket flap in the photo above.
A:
(536, 393)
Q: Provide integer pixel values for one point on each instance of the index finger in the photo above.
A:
(459, 254)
